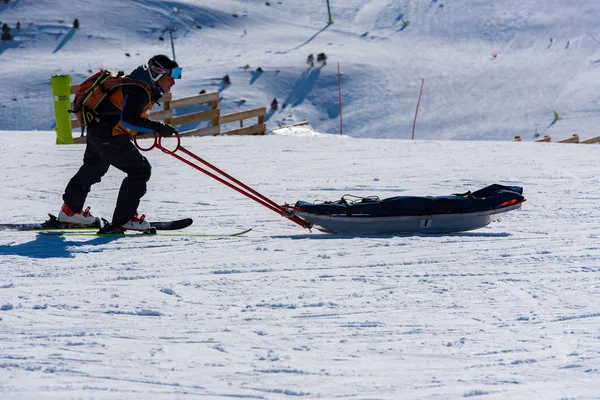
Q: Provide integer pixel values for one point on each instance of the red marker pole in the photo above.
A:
(417, 110)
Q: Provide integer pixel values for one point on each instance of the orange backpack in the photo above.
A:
(95, 89)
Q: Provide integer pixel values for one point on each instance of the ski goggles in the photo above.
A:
(160, 71)
(176, 73)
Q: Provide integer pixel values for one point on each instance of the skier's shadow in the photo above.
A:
(52, 245)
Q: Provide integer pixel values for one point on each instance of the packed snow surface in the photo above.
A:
(507, 311)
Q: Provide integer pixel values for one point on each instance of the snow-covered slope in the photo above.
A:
(547, 59)
(506, 312)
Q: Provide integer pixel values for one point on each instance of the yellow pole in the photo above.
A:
(61, 93)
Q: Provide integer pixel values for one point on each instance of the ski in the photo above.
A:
(131, 234)
(172, 225)
(53, 224)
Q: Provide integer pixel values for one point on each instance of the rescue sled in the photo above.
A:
(404, 214)
(412, 214)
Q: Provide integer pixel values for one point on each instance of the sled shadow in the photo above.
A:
(52, 245)
(327, 236)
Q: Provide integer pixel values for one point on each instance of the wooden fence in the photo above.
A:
(213, 114)
(572, 139)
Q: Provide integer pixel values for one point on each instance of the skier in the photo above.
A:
(109, 143)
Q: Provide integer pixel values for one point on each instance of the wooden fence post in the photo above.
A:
(261, 120)
(167, 106)
(215, 105)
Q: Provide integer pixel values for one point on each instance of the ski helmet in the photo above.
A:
(160, 64)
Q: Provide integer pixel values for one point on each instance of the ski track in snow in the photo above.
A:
(508, 311)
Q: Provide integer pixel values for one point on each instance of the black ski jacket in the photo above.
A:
(125, 112)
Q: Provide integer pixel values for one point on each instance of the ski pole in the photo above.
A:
(241, 187)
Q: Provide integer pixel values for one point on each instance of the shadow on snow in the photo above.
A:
(300, 91)
(305, 43)
(322, 236)
(68, 37)
(53, 245)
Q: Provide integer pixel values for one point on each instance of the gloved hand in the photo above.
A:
(166, 130)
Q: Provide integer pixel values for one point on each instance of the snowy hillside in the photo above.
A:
(547, 60)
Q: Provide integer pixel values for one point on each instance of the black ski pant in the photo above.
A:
(100, 154)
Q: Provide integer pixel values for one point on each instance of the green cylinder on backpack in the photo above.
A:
(61, 94)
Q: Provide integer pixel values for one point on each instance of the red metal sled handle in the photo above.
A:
(154, 142)
(234, 184)
(157, 143)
